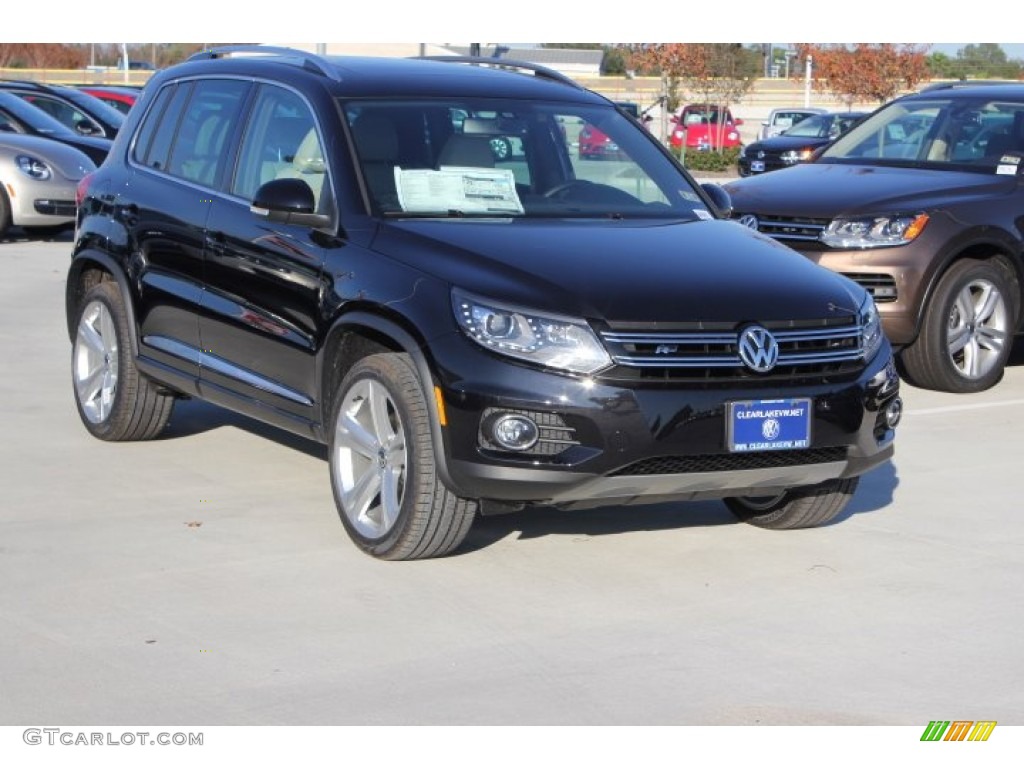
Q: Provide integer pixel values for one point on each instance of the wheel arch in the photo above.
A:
(87, 269)
(361, 332)
(1004, 251)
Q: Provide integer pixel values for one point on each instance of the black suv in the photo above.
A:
(333, 246)
(921, 204)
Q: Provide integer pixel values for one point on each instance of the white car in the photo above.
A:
(38, 178)
(782, 118)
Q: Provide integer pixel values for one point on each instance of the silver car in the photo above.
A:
(38, 178)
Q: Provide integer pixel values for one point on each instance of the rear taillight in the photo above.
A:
(82, 189)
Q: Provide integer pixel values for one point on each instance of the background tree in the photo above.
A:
(865, 71)
(719, 74)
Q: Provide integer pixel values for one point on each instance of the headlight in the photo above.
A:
(743, 151)
(732, 136)
(871, 328)
(33, 167)
(794, 156)
(550, 340)
(874, 231)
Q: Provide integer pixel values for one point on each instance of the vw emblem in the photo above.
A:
(760, 155)
(770, 429)
(758, 349)
(750, 221)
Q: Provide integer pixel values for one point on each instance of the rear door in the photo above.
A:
(178, 158)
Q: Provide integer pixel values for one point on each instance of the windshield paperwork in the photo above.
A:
(970, 134)
(501, 158)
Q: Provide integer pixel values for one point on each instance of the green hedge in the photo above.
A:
(710, 161)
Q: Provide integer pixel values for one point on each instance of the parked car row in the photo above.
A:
(51, 136)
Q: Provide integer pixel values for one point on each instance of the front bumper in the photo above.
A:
(631, 444)
(42, 204)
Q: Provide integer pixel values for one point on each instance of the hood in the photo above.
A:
(623, 271)
(784, 144)
(65, 160)
(825, 190)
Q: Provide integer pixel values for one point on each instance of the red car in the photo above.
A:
(596, 144)
(118, 97)
(701, 127)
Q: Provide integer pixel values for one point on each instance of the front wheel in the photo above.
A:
(966, 333)
(386, 488)
(805, 507)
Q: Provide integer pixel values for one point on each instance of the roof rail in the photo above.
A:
(537, 69)
(309, 61)
(967, 84)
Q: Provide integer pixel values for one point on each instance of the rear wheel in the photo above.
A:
(805, 507)
(383, 474)
(115, 402)
(966, 334)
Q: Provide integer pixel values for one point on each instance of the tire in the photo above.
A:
(115, 402)
(804, 507)
(5, 212)
(967, 332)
(383, 473)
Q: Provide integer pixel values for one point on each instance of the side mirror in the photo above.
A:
(720, 198)
(288, 201)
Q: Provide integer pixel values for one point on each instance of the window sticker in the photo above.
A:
(468, 190)
(1008, 165)
(702, 213)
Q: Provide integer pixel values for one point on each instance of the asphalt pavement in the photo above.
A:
(205, 578)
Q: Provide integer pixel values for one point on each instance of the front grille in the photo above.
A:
(881, 287)
(789, 227)
(55, 207)
(730, 462)
(826, 347)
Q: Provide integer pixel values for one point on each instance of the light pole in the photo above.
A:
(807, 82)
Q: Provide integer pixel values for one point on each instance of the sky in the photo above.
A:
(875, 21)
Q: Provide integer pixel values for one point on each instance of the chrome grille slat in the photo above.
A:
(814, 349)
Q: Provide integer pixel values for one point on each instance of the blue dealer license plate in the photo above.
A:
(769, 425)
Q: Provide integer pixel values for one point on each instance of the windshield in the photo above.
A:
(33, 117)
(815, 127)
(487, 157)
(96, 107)
(970, 133)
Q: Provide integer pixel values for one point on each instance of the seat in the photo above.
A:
(467, 152)
(307, 164)
(377, 145)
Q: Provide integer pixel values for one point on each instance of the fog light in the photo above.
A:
(893, 413)
(515, 432)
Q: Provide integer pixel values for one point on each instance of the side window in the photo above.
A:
(153, 146)
(64, 113)
(199, 152)
(281, 142)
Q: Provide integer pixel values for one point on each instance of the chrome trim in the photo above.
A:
(223, 367)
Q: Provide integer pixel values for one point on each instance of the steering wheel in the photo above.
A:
(559, 190)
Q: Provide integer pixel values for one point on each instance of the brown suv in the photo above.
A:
(921, 204)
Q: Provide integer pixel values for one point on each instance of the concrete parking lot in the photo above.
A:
(205, 578)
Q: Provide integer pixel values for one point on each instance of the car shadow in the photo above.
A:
(875, 491)
(42, 235)
(193, 417)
